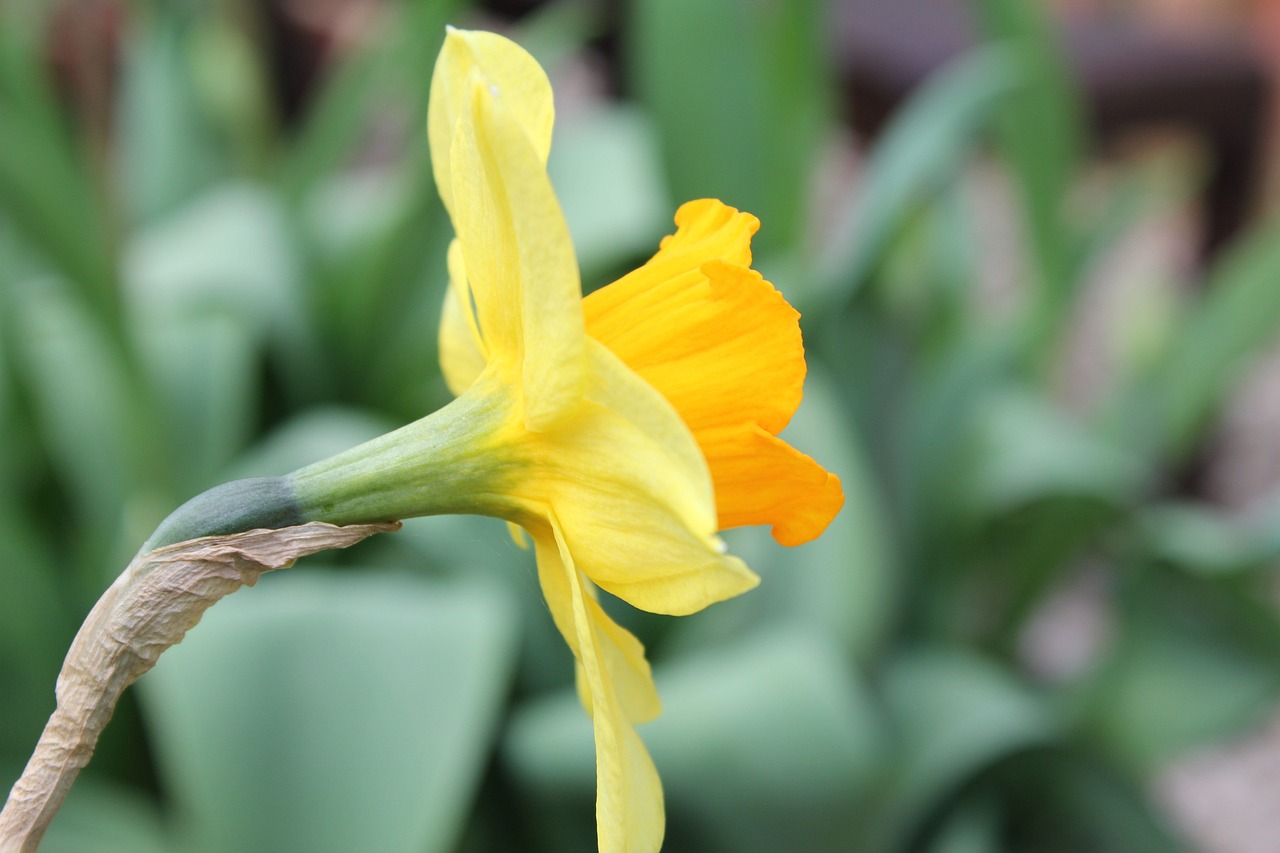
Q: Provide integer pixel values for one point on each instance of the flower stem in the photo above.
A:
(255, 502)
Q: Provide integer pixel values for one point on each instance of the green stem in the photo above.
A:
(453, 461)
(253, 503)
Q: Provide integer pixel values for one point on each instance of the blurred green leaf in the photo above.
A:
(334, 125)
(88, 408)
(1022, 558)
(738, 92)
(762, 746)
(340, 117)
(231, 76)
(207, 285)
(1041, 131)
(206, 369)
(365, 299)
(922, 292)
(608, 178)
(921, 151)
(373, 245)
(310, 437)
(1236, 314)
(1067, 798)
(35, 626)
(473, 546)
(34, 622)
(1196, 661)
(956, 715)
(33, 619)
(973, 828)
(46, 188)
(768, 745)
(1029, 449)
(1205, 541)
(1136, 193)
(553, 32)
(228, 251)
(1042, 488)
(326, 712)
(930, 440)
(167, 150)
(949, 266)
(99, 817)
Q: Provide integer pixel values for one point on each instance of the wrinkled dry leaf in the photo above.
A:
(151, 606)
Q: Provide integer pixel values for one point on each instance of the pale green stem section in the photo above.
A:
(452, 461)
(457, 460)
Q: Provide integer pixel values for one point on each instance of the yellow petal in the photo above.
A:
(760, 479)
(501, 64)
(633, 497)
(719, 342)
(519, 259)
(462, 350)
(623, 655)
(630, 816)
(724, 348)
(706, 230)
(518, 535)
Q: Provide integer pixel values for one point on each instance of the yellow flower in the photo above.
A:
(621, 431)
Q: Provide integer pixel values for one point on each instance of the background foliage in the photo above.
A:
(204, 277)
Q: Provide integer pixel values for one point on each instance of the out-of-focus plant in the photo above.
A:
(224, 293)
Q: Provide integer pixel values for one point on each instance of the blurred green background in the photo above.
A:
(222, 255)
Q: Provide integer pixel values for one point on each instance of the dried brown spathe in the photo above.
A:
(151, 606)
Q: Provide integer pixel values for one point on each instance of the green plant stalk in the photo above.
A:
(452, 461)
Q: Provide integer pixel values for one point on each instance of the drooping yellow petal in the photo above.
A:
(633, 497)
(622, 653)
(630, 816)
(521, 268)
(503, 65)
(760, 479)
(462, 349)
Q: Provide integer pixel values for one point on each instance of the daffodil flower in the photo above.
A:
(621, 431)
